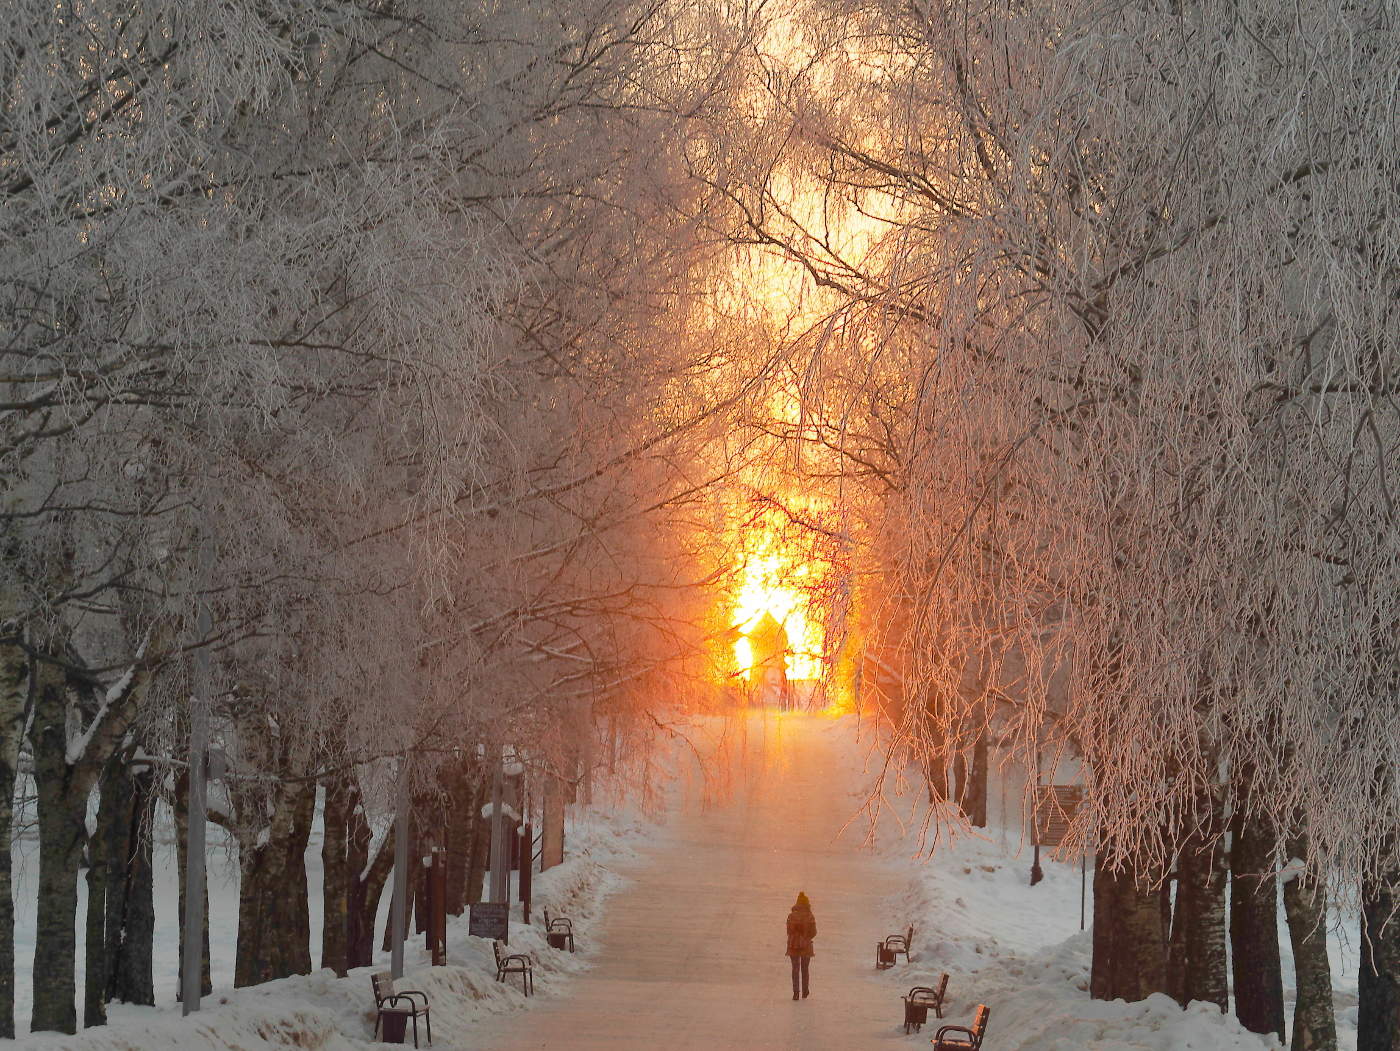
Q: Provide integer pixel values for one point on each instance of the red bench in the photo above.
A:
(948, 1038)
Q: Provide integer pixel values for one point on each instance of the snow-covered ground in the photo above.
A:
(1020, 950)
(685, 956)
(320, 1010)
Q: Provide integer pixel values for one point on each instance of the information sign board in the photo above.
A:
(1055, 807)
(489, 919)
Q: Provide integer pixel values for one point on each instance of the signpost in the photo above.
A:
(490, 919)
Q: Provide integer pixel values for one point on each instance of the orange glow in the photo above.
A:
(777, 581)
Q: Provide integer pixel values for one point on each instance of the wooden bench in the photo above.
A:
(919, 999)
(514, 963)
(892, 946)
(398, 1007)
(559, 932)
(970, 1040)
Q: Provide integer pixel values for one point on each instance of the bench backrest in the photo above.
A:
(909, 938)
(383, 983)
(979, 1022)
(496, 948)
(942, 985)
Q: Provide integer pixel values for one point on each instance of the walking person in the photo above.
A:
(801, 929)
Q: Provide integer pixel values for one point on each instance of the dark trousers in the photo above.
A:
(800, 966)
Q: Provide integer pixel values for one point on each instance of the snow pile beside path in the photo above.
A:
(324, 1013)
(1002, 942)
(1018, 949)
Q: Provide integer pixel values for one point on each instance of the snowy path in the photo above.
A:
(693, 954)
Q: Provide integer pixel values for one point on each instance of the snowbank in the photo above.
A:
(321, 1011)
(1019, 949)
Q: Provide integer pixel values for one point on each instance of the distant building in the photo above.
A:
(768, 674)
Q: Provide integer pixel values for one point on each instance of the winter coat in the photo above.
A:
(801, 929)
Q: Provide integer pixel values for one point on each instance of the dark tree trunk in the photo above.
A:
(98, 876)
(131, 917)
(975, 804)
(957, 779)
(1129, 944)
(461, 819)
(182, 812)
(96, 967)
(1305, 904)
(335, 887)
(366, 879)
(120, 907)
(480, 848)
(1200, 909)
(1175, 926)
(274, 922)
(14, 691)
(62, 805)
(1378, 1014)
(1254, 950)
(1104, 963)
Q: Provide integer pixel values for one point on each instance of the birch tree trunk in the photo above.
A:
(1305, 905)
(1254, 950)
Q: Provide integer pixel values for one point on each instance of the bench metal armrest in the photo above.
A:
(409, 994)
(972, 1038)
(517, 956)
(387, 1004)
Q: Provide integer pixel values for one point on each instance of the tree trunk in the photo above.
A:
(1254, 950)
(182, 812)
(367, 877)
(14, 690)
(1174, 922)
(96, 964)
(1378, 1014)
(335, 886)
(274, 923)
(1305, 904)
(957, 779)
(1129, 944)
(1200, 909)
(131, 912)
(976, 795)
(480, 848)
(461, 825)
(62, 804)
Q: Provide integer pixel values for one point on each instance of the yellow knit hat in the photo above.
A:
(802, 898)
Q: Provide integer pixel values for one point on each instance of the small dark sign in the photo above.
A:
(1055, 808)
(490, 920)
